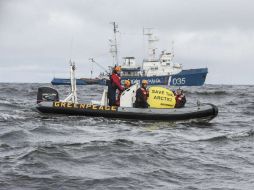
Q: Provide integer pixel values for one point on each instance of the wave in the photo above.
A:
(251, 106)
(209, 93)
(234, 136)
(9, 105)
(9, 90)
(13, 103)
(7, 117)
(94, 144)
(13, 135)
(231, 103)
(114, 182)
(116, 142)
(49, 130)
(248, 112)
(123, 142)
(45, 151)
(57, 149)
(2, 101)
(5, 146)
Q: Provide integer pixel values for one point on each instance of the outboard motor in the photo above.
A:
(47, 94)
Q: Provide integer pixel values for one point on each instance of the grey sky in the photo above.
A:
(38, 37)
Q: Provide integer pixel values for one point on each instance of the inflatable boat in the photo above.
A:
(203, 112)
(161, 108)
(48, 102)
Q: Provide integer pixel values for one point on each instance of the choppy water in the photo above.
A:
(59, 152)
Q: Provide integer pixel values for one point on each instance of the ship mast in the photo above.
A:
(173, 49)
(151, 41)
(73, 95)
(113, 45)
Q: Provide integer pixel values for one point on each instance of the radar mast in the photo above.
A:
(151, 41)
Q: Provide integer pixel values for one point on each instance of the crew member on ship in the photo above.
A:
(142, 95)
(180, 98)
(127, 84)
(114, 84)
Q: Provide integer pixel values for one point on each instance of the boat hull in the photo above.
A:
(61, 81)
(206, 111)
(191, 77)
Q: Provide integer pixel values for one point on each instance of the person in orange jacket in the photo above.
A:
(114, 84)
(142, 95)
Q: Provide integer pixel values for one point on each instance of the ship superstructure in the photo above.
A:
(158, 70)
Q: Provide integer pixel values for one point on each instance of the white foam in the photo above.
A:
(4, 102)
(6, 117)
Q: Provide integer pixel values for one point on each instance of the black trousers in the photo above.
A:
(141, 104)
(111, 95)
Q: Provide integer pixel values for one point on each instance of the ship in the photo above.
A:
(160, 70)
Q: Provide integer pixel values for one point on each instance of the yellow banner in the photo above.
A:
(160, 97)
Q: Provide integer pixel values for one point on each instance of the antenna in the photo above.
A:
(71, 47)
(113, 44)
(173, 49)
(91, 70)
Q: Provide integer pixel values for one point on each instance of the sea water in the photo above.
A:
(42, 151)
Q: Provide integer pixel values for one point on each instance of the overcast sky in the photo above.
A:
(38, 37)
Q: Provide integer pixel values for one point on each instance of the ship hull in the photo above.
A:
(191, 77)
(62, 81)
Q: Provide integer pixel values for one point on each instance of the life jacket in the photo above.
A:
(115, 81)
(145, 93)
(179, 97)
(180, 100)
(141, 98)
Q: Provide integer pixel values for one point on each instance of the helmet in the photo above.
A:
(144, 82)
(127, 83)
(117, 68)
(179, 91)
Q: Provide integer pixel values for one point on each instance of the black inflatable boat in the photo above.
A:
(48, 102)
(203, 112)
